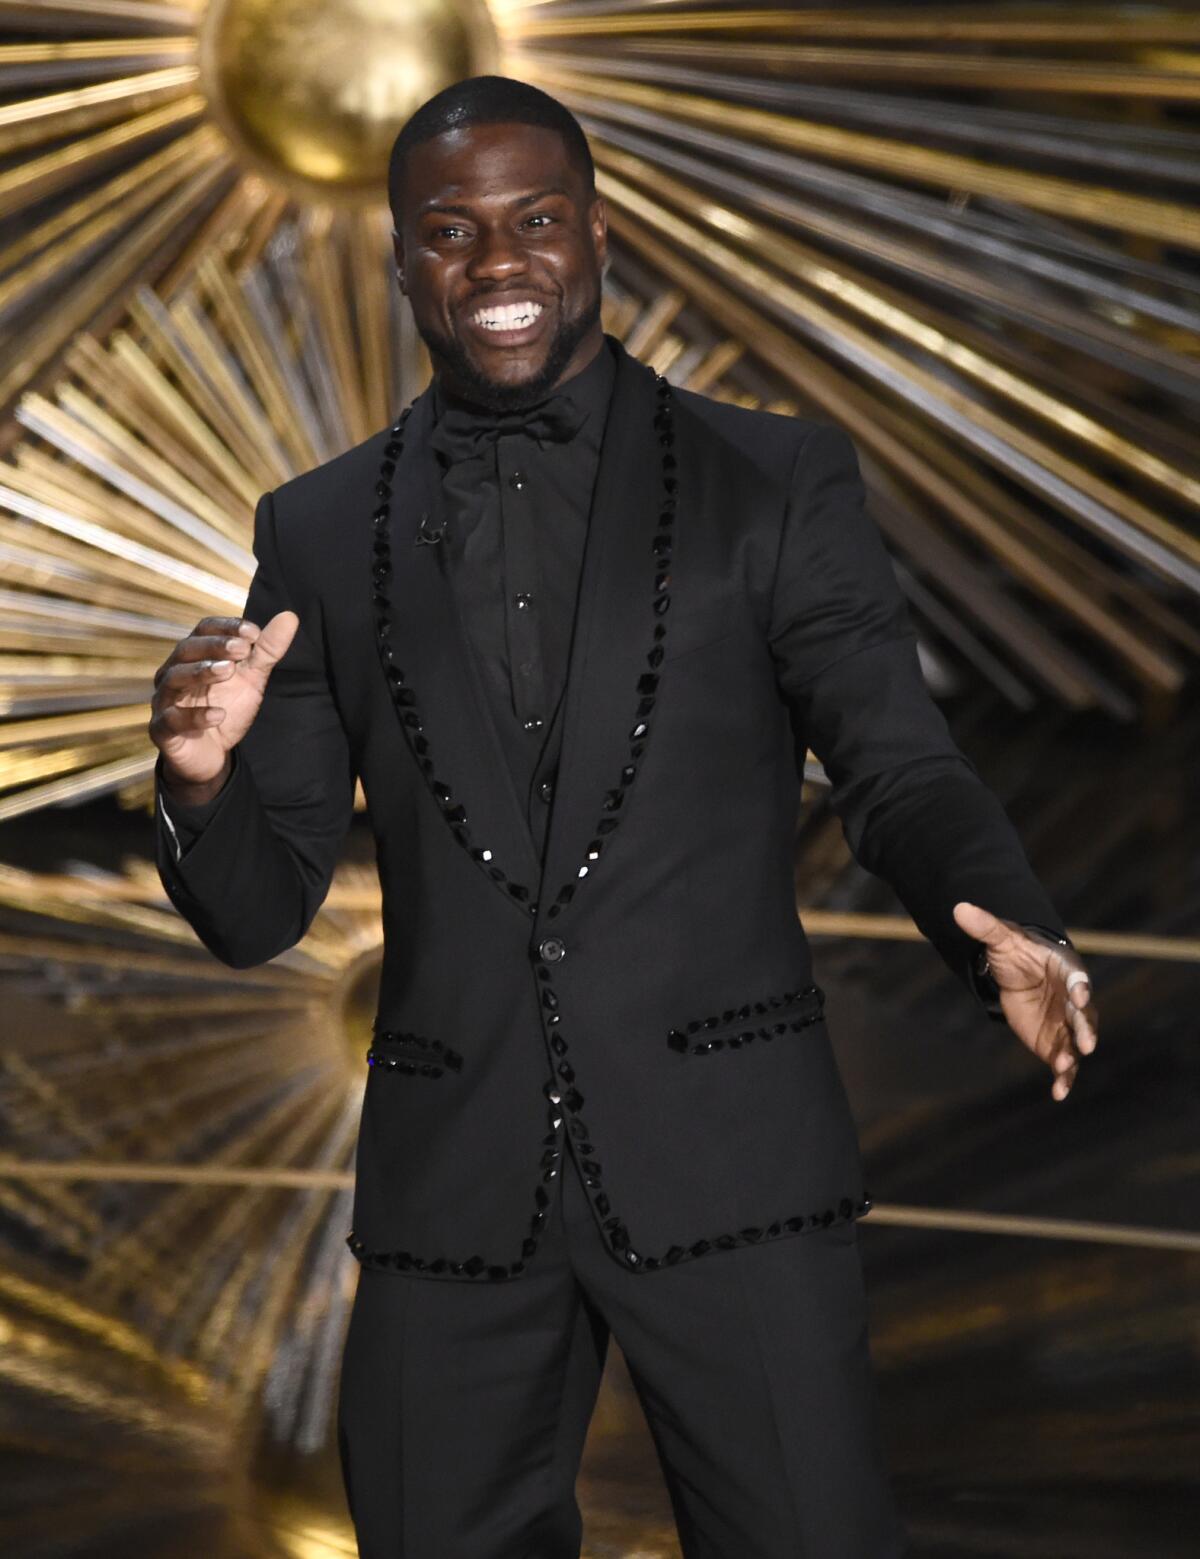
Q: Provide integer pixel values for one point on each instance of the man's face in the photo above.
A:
(499, 251)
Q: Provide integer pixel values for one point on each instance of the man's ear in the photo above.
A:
(398, 251)
(598, 222)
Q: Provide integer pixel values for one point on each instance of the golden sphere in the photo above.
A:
(313, 92)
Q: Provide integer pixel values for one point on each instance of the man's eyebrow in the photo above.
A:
(466, 211)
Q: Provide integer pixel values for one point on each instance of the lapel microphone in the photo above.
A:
(426, 537)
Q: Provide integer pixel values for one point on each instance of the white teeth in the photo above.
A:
(509, 316)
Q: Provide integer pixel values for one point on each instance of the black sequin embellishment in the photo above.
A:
(404, 696)
(393, 1050)
(648, 681)
(801, 1008)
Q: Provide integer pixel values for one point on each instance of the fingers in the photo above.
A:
(213, 638)
(1079, 1013)
(1085, 1024)
(1071, 1039)
(180, 705)
(1058, 1051)
(1065, 1081)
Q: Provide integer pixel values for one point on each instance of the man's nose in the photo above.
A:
(497, 254)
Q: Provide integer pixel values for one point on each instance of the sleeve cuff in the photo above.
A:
(185, 823)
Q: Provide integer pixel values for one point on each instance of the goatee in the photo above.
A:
(472, 385)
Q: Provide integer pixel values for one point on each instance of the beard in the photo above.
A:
(474, 385)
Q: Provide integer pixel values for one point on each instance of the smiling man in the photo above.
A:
(575, 629)
(501, 340)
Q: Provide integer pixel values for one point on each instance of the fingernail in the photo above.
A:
(248, 630)
(219, 665)
(236, 646)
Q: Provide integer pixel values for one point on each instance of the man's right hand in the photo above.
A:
(207, 694)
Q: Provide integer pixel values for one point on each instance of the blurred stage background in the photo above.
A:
(969, 235)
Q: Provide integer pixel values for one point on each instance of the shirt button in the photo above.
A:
(546, 790)
(552, 949)
(522, 598)
(517, 480)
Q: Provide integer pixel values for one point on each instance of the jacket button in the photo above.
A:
(552, 948)
(545, 790)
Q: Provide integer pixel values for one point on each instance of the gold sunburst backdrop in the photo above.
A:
(969, 238)
(969, 235)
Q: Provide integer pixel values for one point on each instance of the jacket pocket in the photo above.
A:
(394, 1050)
(765, 1019)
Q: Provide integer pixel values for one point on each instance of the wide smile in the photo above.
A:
(511, 323)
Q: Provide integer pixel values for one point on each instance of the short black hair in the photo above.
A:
(483, 100)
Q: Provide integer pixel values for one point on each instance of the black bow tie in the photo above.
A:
(461, 432)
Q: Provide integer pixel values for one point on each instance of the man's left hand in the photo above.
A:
(1032, 972)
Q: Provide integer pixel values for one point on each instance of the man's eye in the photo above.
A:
(542, 216)
(441, 232)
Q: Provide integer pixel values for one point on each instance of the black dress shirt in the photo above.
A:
(512, 509)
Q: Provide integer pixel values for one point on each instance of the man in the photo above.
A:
(575, 629)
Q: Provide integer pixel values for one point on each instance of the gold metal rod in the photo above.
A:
(97, 299)
(87, 213)
(95, 13)
(88, 50)
(890, 928)
(368, 242)
(1035, 1228)
(38, 177)
(54, 1303)
(1169, 222)
(898, 1214)
(929, 329)
(1103, 25)
(23, 949)
(176, 413)
(320, 257)
(54, 115)
(793, 61)
(257, 359)
(163, 340)
(142, 404)
(899, 928)
(1122, 520)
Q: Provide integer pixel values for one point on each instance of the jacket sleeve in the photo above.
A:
(912, 806)
(186, 823)
(257, 861)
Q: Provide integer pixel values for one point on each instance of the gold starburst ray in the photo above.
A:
(187, 1060)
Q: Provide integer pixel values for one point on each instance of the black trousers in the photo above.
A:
(463, 1407)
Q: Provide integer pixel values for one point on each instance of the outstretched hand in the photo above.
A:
(1032, 972)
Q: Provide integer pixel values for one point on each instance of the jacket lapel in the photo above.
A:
(462, 758)
(616, 629)
(448, 722)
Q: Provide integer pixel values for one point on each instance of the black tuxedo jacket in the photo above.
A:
(642, 993)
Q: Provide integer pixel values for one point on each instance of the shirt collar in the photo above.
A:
(590, 387)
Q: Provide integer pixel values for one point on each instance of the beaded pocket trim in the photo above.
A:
(789, 1012)
(398, 1051)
